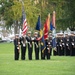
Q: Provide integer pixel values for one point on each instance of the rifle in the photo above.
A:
(18, 46)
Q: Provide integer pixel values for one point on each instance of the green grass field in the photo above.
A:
(58, 65)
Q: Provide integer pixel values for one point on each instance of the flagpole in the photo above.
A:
(24, 27)
(54, 32)
(22, 2)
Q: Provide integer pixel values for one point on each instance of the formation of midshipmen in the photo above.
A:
(65, 45)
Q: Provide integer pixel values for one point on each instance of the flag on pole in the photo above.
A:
(45, 30)
(48, 22)
(53, 31)
(51, 26)
(38, 27)
(24, 28)
(38, 24)
(43, 45)
(54, 38)
(46, 27)
(41, 38)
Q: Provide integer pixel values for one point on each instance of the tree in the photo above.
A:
(71, 10)
(13, 13)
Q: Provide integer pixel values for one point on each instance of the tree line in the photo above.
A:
(11, 12)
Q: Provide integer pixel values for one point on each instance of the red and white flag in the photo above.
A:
(24, 28)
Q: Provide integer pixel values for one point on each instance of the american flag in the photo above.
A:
(25, 28)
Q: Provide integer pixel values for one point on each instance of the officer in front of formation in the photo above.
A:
(23, 46)
(30, 45)
(36, 45)
(16, 47)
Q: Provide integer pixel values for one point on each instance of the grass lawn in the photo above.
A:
(58, 65)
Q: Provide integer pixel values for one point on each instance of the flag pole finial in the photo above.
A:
(53, 11)
(22, 2)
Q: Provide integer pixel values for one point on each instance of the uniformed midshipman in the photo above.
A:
(30, 45)
(16, 47)
(23, 47)
(36, 45)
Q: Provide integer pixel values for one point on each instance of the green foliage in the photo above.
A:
(16, 10)
(32, 13)
(71, 10)
(65, 14)
(4, 5)
(13, 12)
(5, 11)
